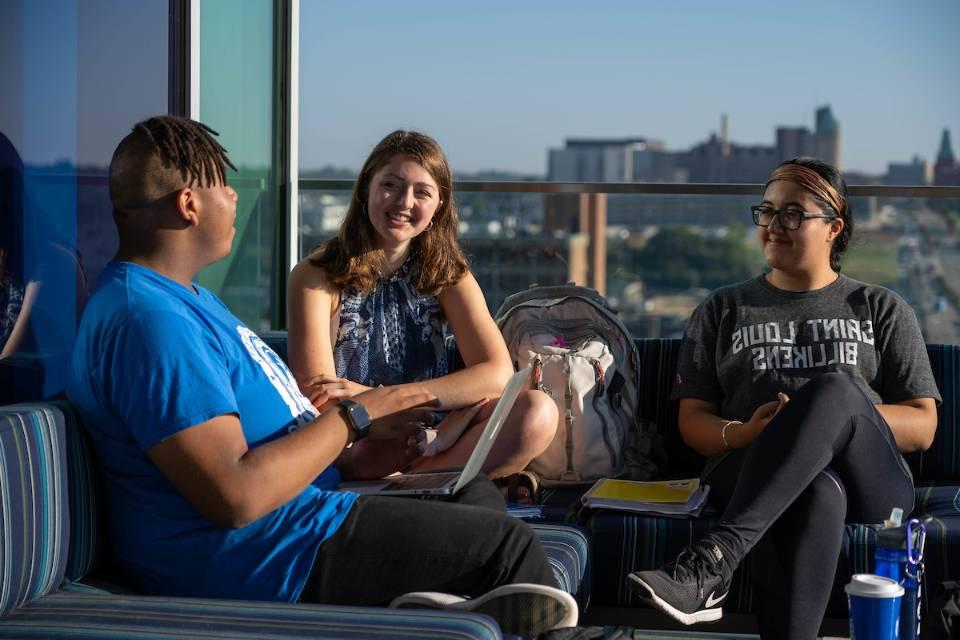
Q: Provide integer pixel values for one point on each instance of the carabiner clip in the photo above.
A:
(915, 560)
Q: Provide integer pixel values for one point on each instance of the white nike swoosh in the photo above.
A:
(711, 601)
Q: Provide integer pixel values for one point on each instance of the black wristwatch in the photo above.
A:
(358, 417)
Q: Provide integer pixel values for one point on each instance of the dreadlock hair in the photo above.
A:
(352, 259)
(164, 154)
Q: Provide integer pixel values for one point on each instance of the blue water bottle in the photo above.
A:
(899, 555)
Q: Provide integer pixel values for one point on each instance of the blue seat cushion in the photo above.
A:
(941, 462)
(568, 549)
(68, 614)
(34, 517)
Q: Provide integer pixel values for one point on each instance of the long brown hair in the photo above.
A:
(352, 259)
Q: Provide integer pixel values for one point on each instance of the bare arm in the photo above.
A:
(15, 339)
(232, 485)
(487, 362)
(312, 304)
(913, 422)
(701, 427)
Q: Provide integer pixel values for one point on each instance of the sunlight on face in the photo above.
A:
(401, 202)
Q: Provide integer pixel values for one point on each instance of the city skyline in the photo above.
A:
(498, 85)
(890, 166)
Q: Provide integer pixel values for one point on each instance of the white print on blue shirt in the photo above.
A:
(279, 376)
(834, 340)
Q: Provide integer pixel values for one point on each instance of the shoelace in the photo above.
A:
(691, 564)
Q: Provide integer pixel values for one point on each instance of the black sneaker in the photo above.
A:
(691, 588)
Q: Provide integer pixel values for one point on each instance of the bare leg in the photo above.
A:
(528, 431)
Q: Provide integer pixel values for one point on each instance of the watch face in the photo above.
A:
(358, 417)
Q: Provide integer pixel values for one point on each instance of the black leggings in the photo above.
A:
(827, 458)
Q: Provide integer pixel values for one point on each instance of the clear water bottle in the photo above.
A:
(899, 555)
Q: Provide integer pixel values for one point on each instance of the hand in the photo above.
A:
(370, 459)
(324, 390)
(452, 427)
(399, 411)
(760, 419)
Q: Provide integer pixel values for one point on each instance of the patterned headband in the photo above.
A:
(812, 182)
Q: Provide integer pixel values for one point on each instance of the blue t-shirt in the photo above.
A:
(151, 359)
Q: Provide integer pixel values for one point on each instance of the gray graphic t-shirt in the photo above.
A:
(748, 341)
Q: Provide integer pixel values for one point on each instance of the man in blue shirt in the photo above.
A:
(221, 477)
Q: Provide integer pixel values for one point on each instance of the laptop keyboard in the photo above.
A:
(422, 481)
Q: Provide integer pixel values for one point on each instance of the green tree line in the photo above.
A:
(679, 258)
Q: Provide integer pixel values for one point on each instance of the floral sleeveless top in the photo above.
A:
(391, 335)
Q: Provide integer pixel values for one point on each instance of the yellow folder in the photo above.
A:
(665, 491)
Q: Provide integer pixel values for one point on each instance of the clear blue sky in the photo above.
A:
(499, 82)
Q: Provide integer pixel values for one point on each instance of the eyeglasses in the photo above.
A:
(789, 219)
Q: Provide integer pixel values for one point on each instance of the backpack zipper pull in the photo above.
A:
(600, 377)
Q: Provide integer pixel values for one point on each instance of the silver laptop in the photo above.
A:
(447, 483)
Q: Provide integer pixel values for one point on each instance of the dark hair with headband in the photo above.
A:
(829, 191)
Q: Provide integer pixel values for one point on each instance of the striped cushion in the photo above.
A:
(132, 617)
(568, 549)
(939, 501)
(658, 368)
(34, 521)
(87, 520)
(941, 462)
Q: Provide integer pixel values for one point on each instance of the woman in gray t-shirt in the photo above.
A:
(802, 387)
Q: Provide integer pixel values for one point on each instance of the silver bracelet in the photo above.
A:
(723, 432)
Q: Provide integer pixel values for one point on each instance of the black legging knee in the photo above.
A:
(829, 422)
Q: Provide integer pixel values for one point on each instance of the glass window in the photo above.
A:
(236, 99)
(77, 75)
(631, 92)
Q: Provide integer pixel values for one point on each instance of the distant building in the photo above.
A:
(603, 160)
(717, 159)
(793, 142)
(946, 172)
(823, 142)
(826, 136)
(915, 172)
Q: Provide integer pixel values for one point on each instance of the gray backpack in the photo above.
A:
(584, 358)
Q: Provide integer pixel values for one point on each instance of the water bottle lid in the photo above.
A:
(867, 585)
(895, 519)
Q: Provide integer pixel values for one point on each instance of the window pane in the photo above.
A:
(633, 92)
(236, 99)
(71, 92)
(664, 254)
(707, 94)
